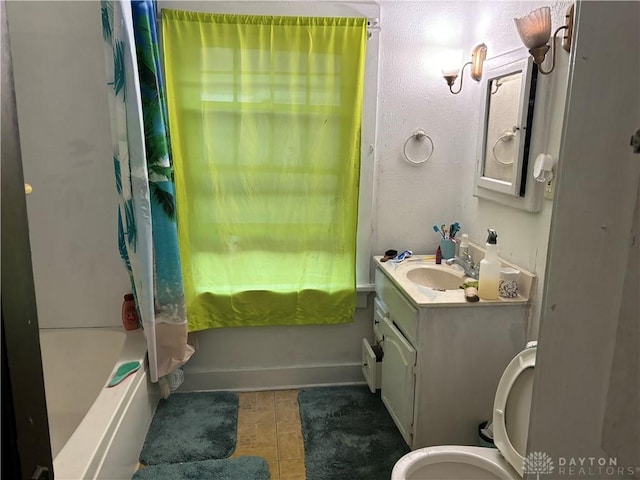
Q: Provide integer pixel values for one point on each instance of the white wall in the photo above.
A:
(63, 115)
(63, 111)
(412, 95)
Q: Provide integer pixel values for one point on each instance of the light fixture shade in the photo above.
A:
(450, 62)
(535, 29)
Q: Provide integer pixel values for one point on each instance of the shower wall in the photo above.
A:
(66, 152)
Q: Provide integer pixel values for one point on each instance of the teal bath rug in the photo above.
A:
(241, 468)
(348, 434)
(188, 427)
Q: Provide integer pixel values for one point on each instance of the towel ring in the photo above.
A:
(507, 136)
(418, 135)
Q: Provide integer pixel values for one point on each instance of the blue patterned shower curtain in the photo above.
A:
(147, 235)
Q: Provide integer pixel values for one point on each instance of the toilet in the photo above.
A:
(511, 408)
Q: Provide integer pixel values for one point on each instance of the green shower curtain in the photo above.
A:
(265, 115)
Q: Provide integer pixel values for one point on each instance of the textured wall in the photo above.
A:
(412, 95)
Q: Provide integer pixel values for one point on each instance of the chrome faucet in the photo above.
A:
(466, 262)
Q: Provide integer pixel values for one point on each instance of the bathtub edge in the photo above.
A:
(89, 450)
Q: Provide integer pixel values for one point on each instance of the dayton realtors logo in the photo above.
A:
(540, 463)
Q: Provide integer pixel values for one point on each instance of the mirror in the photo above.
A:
(506, 113)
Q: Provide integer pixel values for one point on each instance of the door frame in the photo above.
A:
(28, 445)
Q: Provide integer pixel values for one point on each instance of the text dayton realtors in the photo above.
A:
(593, 466)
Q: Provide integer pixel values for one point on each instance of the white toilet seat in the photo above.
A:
(520, 363)
(446, 462)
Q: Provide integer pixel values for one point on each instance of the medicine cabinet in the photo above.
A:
(508, 94)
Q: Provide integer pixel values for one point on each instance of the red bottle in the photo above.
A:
(129, 313)
(439, 255)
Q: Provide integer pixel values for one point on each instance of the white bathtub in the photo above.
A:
(96, 432)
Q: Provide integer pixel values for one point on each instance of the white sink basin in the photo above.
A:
(436, 276)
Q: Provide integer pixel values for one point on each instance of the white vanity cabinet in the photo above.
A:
(442, 363)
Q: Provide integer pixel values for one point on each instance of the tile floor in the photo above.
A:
(269, 426)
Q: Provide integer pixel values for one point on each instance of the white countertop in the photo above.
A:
(423, 296)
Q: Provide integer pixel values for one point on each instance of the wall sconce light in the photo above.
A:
(535, 30)
(450, 71)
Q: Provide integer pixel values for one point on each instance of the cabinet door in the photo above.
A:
(398, 379)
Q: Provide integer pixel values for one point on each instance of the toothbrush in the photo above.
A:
(437, 230)
(455, 228)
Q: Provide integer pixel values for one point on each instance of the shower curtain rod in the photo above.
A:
(373, 24)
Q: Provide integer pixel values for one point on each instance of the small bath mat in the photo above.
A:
(348, 434)
(241, 468)
(189, 427)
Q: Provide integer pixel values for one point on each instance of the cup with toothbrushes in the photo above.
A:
(447, 240)
(448, 248)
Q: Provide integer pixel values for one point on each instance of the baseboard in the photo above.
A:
(279, 378)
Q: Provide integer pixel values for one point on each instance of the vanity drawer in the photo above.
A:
(372, 365)
(379, 313)
(403, 314)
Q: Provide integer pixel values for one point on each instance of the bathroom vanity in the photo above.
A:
(442, 356)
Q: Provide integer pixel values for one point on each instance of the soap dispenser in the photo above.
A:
(489, 276)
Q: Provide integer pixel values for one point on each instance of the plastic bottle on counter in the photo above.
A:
(489, 277)
(463, 250)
